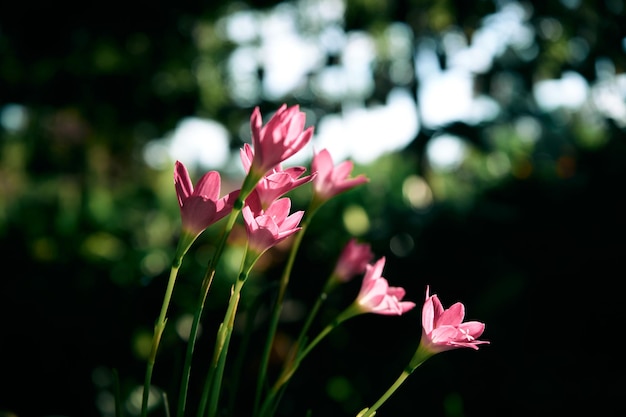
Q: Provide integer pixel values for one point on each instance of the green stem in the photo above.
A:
(193, 335)
(206, 284)
(213, 382)
(277, 309)
(288, 371)
(158, 332)
(313, 313)
(403, 376)
(297, 347)
(118, 398)
(248, 185)
(420, 356)
(241, 355)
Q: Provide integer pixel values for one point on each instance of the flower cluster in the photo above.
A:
(266, 213)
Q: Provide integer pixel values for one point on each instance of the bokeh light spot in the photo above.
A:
(446, 152)
(135, 399)
(570, 92)
(417, 192)
(355, 220)
(401, 244)
(102, 377)
(13, 117)
(142, 343)
(104, 245)
(453, 404)
(154, 262)
(339, 388)
(498, 164)
(200, 142)
(183, 326)
(105, 402)
(44, 249)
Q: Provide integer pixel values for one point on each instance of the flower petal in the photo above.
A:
(453, 316)
(182, 183)
(209, 185)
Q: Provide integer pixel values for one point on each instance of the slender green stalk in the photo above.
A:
(158, 332)
(218, 371)
(242, 353)
(166, 404)
(118, 398)
(248, 185)
(420, 356)
(313, 313)
(297, 347)
(269, 403)
(206, 285)
(276, 312)
(403, 376)
(310, 213)
(213, 382)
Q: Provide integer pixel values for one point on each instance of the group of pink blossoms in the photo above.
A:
(268, 221)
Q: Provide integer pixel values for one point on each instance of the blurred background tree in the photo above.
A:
(492, 131)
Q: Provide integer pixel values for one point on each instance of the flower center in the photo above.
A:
(466, 335)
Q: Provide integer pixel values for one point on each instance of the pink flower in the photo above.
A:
(280, 138)
(276, 183)
(376, 296)
(271, 226)
(444, 329)
(332, 180)
(200, 207)
(353, 260)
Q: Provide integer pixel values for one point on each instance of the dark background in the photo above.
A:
(537, 255)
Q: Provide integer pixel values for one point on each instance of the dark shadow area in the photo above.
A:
(527, 230)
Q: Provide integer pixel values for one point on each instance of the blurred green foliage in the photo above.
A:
(525, 230)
